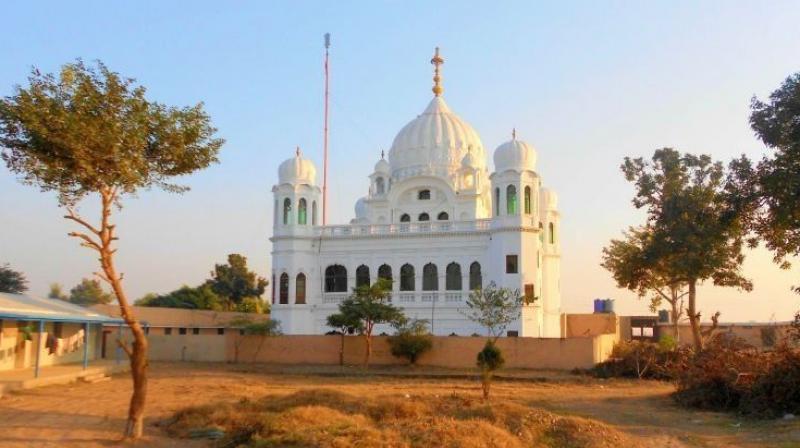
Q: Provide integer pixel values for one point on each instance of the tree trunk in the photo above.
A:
(486, 383)
(102, 240)
(368, 353)
(341, 351)
(694, 316)
(138, 354)
(675, 317)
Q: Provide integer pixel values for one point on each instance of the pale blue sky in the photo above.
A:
(587, 83)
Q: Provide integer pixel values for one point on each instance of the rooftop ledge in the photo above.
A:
(529, 223)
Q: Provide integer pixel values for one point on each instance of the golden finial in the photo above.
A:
(297, 151)
(382, 154)
(513, 133)
(437, 61)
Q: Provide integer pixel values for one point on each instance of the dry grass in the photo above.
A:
(328, 418)
(555, 407)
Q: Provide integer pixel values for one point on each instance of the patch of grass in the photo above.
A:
(328, 418)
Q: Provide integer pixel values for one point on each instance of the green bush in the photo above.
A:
(489, 360)
(411, 341)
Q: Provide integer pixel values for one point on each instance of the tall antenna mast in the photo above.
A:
(325, 139)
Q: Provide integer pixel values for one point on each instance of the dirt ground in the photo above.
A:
(87, 415)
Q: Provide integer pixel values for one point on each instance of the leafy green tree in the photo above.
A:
(199, 298)
(490, 359)
(631, 262)
(774, 183)
(695, 228)
(344, 324)
(369, 306)
(11, 281)
(89, 292)
(411, 340)
(252, 305)
(494, 308)
(234, 282)
(89, 131)
(249, 327)
(57, 292)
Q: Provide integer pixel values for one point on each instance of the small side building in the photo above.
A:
(177, 334)
(37, 332)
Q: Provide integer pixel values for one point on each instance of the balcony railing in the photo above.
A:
(405, 228)
(401, 298)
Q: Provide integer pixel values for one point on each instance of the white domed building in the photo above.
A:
(435, 221)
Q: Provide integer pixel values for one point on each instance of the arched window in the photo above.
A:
(362, 276)
(379, 186)
(407, 278)
(287, 209)
(423, 217)
(405, 218)
(300, 289)
(452, 280)
(284, 288)
(475, 277)
(527, 200)
(385, 272)
(552, 232)
(273, 287)
(443, 216)
(424, 195)
(430, 278)
(336, 278)
(313, 213)
(497, 201)
(511, 200)
(301, 212)
(541, 232)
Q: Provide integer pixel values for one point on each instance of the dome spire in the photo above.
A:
(437, 61)
(513, 133)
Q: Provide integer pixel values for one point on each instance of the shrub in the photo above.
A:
(640, 359)
(411, 341)
(489, 360)
(730, 375)
(716, 377)
(777, 391)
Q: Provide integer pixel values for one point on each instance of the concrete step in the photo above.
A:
(99, 380)
(95, 377)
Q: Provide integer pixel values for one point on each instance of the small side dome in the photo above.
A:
(549, 199)
(297, 170)
(469, 161)
(382, 166)
(361, 208)
(514, 155)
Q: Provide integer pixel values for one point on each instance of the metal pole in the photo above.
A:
(85, 345)
(325, 139)
(39, 349)
(118, 352)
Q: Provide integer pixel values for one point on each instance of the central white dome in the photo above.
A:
(434, 143)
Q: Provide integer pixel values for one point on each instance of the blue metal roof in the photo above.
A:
(27, 307)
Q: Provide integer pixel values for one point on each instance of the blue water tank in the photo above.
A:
(608, 306)
(598, 306)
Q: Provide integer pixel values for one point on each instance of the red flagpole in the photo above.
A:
(325, 139)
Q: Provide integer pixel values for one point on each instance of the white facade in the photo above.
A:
(435, 220)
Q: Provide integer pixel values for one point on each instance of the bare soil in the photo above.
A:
(90, 415)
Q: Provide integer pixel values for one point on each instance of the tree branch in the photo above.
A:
(74, 217)
(88, 242)
(125, 348)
